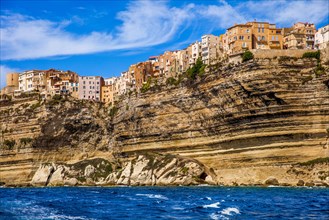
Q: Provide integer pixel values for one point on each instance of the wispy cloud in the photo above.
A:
(3, 71)
(144, 23)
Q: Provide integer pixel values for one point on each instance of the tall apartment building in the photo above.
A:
(165, 63)
(142, 71)
(238, 38)
(210, 48)
(322, 38)
(300, 36)
(90, 87)
(196, 51)
(265, 35)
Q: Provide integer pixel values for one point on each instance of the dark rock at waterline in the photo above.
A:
(300, 183)
(272, 181)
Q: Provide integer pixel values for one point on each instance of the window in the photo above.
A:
(258, 30)
(89, 82)
(258, 38)
(247, 31)
(262, 30)
(84, 87)
(273, 38)
(97, 83)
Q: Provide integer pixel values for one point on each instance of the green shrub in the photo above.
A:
(9, 143)
(247, 55)
(146, 86)
(315, 161)
(113, 111)
(35, 106)
(25, 141)
(315, 55)
(171, 81)
(197, 69)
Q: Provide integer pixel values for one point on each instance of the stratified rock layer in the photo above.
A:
(245, 123)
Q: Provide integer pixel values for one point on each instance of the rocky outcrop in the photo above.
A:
(41, 177)
(143, 170)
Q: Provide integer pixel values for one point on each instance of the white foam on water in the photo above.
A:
(177, 208)
(209, 198)
(54, 216)
(215, 216)
(153, 196)
(214, 205)
(230, 211)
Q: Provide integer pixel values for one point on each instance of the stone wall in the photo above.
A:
(279, 53)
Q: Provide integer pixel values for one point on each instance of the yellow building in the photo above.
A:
(107, 94)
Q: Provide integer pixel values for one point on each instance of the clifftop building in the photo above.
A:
(90, 87)
(322, 38)
(300, 36)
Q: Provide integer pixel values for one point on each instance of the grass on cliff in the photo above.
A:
(315, 161)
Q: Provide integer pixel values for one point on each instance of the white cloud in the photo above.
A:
(3, 72)
(145, 23)
(285, 13)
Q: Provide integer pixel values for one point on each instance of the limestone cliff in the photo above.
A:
(239, 124)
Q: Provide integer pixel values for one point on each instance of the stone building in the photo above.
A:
(11, 84)
(238, 38)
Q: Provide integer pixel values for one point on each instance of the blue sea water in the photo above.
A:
(164, 203)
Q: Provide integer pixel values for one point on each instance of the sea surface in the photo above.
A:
(164, 203)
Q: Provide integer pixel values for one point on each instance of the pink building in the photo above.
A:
(90, 87)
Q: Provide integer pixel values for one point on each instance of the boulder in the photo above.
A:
(89, 170)
(71, 182)
(300, 183)
(310, 184)
(320, 183)
(57, 178)
(42, 175)
(272, 181)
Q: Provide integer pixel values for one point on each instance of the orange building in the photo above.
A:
(239, 38)
(142, 72)
(252, 35)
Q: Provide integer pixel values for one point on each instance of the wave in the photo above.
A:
(230, 211)
(214, 205)
(153, 196)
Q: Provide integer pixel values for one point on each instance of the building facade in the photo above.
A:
(33, 80)
(90, 87)
(210, 48)
(300, 36)
(238, 38)
(322, 38)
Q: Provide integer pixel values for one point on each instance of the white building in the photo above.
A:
(210, 48)
(322, 37)
(196, 52)
(33, 80)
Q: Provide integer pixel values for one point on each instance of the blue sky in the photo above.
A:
(104, 37)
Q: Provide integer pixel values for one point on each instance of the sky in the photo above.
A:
(104, 37)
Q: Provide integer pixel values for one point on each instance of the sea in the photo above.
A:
(195, 202)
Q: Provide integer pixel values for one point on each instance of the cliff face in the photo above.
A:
(242, 124)
(247, 122)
